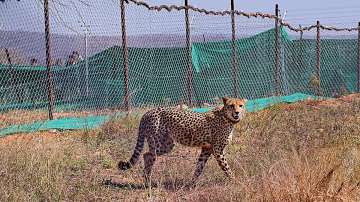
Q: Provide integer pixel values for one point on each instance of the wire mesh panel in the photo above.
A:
(157, 57)
(85, 60)
(211, 57)
(298, 61)
(256, 56)
(166, 64)
(22, 76)
(337, 67)
(338, 63)
(87, 67)
(254, 53)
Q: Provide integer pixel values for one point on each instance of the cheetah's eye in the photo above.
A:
(241, 105)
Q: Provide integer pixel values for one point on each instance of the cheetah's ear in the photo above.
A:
(225, 99)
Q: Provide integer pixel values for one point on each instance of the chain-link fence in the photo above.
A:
(172, 55)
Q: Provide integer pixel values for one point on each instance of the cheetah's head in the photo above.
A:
(234, 108)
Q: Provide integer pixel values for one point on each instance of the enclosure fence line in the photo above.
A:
(318, 50)
(240, 13)
(277, 52)
(125, 56)
(48, 60)
(278, 24)
(189, 79)
(233, 56)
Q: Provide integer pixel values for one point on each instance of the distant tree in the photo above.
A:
(77, 57)
(70, 61)
(33, 62)
(59, 62)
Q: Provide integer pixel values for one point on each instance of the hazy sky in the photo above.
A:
(103, 16)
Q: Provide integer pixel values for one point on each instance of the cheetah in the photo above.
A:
(210, 131)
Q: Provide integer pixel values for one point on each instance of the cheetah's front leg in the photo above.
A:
(203, 158)
(221, 159)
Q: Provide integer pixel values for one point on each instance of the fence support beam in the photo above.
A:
(125, 56)
(277, 52)
(318, 51)
(358, 61)
(233, 58)
(48, 60)
(188, 49)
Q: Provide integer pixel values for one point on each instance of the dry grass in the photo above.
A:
(300, 152)
(21, 117)
(17, 117)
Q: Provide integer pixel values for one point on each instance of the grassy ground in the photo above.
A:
(18, 117)
(300, 152)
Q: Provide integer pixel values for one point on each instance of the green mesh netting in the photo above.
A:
(92, 122)
(255, 65)
(157, 76)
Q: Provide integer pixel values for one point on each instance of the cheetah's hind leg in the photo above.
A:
(125, 165)
(158, 145)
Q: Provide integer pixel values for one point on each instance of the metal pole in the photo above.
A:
(358, 75)
(318, 50)
(188, 47)
(277, 52)
(125, 56)
(233, 58)
(301, 32)
(86, 65)
(86, 33)
(48, 60)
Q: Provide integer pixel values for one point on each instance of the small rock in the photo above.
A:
(53, 131)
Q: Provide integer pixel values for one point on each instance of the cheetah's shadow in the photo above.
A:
(123, 185)
(169, 185)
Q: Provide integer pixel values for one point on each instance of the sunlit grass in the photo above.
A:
(298, 152)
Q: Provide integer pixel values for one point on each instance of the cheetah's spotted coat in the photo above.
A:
(211, 131)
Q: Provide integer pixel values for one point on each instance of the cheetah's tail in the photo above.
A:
(122, 165)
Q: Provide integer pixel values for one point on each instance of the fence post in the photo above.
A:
(318, 51)
(125, 56)
(188, 48)
(277, 52)
(358, 61)
(48, 60)
(233, 58)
